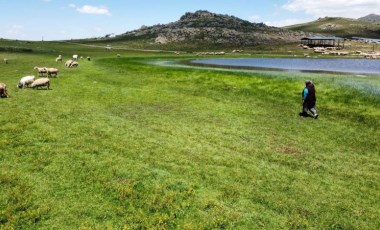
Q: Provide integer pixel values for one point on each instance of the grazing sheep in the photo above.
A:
(41, 70)
(68, 63)
(81, 58)
(74, 64)
(52, 71)
(75, 57)
(88, 58)
(118, 55)
(59, 58)
(5, 61)
(40, 82)
(3, 90)
(25, 81)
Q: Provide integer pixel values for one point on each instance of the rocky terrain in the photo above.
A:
(374, 18)
(210, 28)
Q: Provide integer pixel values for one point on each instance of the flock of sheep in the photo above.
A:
(30, 81)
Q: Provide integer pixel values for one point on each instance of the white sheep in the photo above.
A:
(41, 70)
(5, 61)
(59, 58)
(3, 90)
(68, 63)
(74, 64)
(88, 58)
(75, 57)
(52, 71)
(25, 81)
(40, 82)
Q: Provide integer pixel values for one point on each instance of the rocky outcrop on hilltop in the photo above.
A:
(374, 18)
(207, 27)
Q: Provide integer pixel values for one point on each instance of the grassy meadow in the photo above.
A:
(120, 143)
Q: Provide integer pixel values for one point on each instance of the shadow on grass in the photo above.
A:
(305, 115)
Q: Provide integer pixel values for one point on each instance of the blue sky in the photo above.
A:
(67, 19)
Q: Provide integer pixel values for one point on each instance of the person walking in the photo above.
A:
(309, 99)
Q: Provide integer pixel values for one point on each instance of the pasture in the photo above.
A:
(120, 143)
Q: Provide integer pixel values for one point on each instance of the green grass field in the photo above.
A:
(119, 143)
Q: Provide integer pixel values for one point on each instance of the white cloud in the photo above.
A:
(72, 5)
(254, 18)
(87, 9)
(98, 29)
(334, 8)
(15, 30)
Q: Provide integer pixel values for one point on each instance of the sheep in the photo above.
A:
(88, 58)
(5, 61)
(74, 64)
(40, 82)
(41, 70)
(75, 57)
(3, 90)
(52, 71)
(25, 81)
(118, 55)
(68, 63)
(59, 58)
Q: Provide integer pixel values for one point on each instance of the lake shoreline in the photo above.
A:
(223, 63)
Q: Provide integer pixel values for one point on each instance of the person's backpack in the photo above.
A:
(311, 99)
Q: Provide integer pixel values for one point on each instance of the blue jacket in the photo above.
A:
(305, 93)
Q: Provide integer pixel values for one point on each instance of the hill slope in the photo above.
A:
(203, 27)
(374, 18)
(343, 27)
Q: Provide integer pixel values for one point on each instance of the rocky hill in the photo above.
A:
(210, 28)
(374, 18)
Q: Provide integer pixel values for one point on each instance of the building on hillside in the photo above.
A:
(323, 42)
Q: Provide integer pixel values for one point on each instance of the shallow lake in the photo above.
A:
(364, 66)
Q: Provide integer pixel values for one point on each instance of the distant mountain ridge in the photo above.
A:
(205, 30)
(210, 28)
(374, 18)
(342, 27)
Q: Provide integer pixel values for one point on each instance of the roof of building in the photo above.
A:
(322, 38)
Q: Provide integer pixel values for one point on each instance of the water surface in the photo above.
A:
(343, 65)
